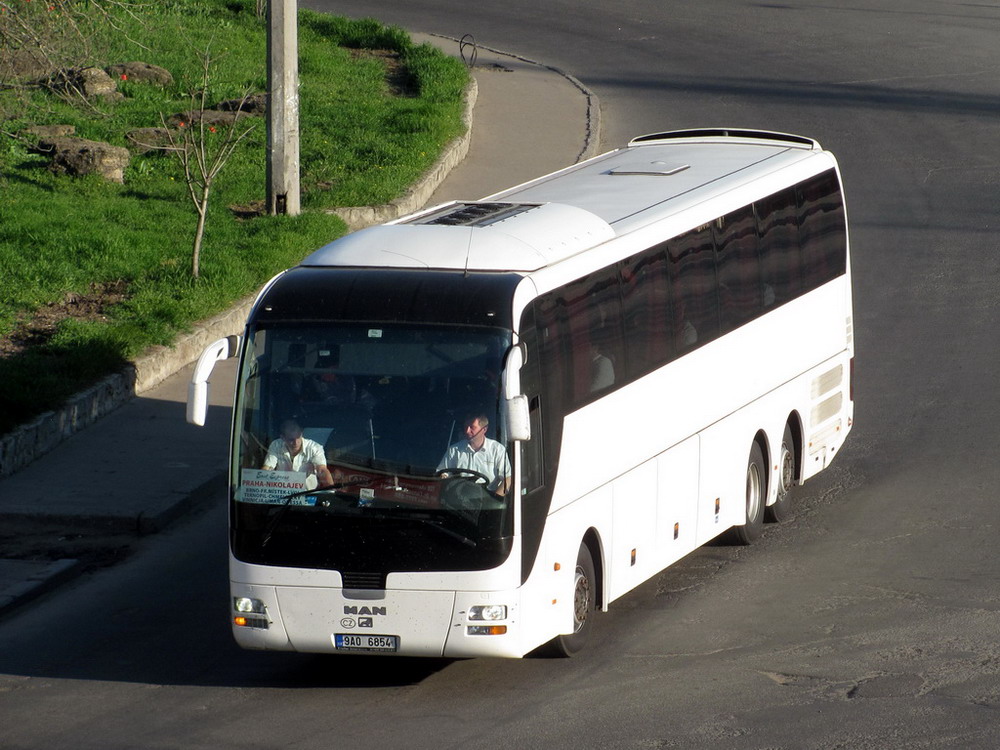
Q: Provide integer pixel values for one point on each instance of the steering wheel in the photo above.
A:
(470, 472)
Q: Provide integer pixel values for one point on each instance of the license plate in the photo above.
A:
(354, 642)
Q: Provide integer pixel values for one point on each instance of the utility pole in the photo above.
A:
(282, 107)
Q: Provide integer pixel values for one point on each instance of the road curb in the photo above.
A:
(592, 134)
(24, 580)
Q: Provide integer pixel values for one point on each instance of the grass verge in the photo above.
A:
(375, 112)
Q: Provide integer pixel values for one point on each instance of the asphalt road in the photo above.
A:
(869, 620)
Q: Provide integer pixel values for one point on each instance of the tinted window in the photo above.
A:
(694, 295)
(593, 310)
(738, 268)
(779, 245)
(621, 322)
(550, 317)
(821, 228)
(645, 286)
(532, 476)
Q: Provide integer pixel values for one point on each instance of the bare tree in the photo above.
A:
(203, 147)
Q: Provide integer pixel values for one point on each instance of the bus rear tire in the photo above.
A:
(781, 508)
(584, 607)
(756, 496)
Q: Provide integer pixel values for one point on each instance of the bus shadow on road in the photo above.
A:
(331, 671)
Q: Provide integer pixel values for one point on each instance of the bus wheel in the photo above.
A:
(584, 607)
(782, 506)
(755, 499)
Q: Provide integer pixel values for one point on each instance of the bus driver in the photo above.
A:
(292, 452)
(480, 454)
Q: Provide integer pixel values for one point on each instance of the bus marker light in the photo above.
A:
(250, 622)
(557, 566)
(487, 629)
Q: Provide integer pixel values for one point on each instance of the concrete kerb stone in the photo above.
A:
(33, 440)
(24, 580)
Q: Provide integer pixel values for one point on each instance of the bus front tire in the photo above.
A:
(756, 496)
(584, 607)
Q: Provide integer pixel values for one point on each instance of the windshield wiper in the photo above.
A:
(287, 500)
(434, 524)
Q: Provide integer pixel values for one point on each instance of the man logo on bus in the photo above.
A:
(349, 610)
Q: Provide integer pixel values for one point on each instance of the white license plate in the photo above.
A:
(355, 642)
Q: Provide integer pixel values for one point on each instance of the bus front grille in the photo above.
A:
(363, 580)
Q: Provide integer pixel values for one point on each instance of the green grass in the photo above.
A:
(360, 145)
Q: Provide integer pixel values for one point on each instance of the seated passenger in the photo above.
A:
(602, 370)
(480, 454)
(332, 388)
(292, 452)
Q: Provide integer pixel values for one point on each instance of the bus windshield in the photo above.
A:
(345, 441)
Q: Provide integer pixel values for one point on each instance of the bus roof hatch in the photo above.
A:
(471, 236)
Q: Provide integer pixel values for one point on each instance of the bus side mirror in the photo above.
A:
(512, 371)
(197, 403)
(515, 404)
(518, 422)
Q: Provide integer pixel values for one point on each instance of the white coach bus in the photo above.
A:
(658, 340)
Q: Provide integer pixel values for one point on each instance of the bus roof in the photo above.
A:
(557, 216)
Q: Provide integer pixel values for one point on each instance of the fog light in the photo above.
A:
(488, 612)
(248, 606)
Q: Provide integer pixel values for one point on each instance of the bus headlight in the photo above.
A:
(248, 606)
(244, 605)
(488, 612)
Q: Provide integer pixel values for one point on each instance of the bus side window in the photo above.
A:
(739, 268)
(594, 328)
(551, 344)
(694, 289)
(781, 266)
(532, 476)
(822, 232)
(645, 287)
(532, 451)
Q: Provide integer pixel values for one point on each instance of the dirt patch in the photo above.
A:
(37, 328)
(250, 210)
(397, 76)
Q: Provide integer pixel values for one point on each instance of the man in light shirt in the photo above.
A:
(292, 452)
(480, 454)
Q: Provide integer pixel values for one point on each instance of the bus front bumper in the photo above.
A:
(391, 622)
